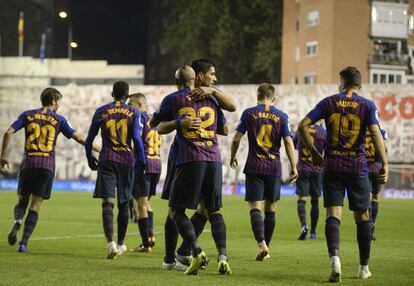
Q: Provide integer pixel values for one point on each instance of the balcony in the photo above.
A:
(389, 59)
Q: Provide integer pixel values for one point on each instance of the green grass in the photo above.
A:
(68, 248)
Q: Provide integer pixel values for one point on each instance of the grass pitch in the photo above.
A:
(68, 248)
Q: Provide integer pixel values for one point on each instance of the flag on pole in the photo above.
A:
(42, 47)
(20, 31)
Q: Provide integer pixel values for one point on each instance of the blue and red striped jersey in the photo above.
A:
(266, 126)
(41, 126)
(152, 143)
(347, 116)
(318, 135)
(120, 124)
(373, 160)
(192, 146)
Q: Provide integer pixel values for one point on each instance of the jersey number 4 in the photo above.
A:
(263, 138)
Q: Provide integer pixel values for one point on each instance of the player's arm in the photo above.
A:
(304, 127)
(4, 163)
(226, 102)
(80, 138)
(234, 147)
(165, 113)
(223, 129)
(93, 131)
(186, 122)
(290, 151)
(139, 145)
(380, 149)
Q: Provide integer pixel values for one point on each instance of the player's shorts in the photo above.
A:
(357, 188)
(374, 184)
(146, 185)
(309, 184)
(114, 177)
(168, 180)
(35, 181)
(262, 187)
(195, 182)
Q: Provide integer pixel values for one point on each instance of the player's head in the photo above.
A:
(184, 77)
(350, 78)
(205, 71)
(138, 101)
(120, 90)
(50, 97)
(266, 93)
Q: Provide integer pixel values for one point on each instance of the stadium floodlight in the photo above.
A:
(63, 14)
(74, 45)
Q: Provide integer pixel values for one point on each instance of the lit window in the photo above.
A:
(297, 54)
(310, 78)
(311, 49)
(313, 19)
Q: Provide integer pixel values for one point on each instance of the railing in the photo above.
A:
(389, 59)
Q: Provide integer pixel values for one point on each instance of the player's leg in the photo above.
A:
(315, 192)
(171, 238)
(151, 237)
(106, 183)
(375, 188)
(122, 222)
(358, 195)
(199, 220)
(124, 184)
(140, 193)
(131, 206)
(334, 192)
(185, 193)
(302, 191)
(19, 212)
(211, 194)
(269, 220)
(27, 183)
(154, 179)
(30, 221)
(143, 225)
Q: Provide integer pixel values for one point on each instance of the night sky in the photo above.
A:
(112, 30)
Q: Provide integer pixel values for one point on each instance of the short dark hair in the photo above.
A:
(265, 91)
(48, 95)
(120, 90)
(202, 65)
(351, 77)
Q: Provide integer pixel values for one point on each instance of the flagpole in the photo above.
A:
(20, 30)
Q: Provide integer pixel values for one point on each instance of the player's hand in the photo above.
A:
(233, 163)
(93, 163)
(383, 175)
(191, 123)
(201, 93)
(317, 159)
(4, 165)
(293, 175)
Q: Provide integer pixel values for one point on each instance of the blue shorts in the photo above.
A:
(262, 187)
(309, 184)
(197, 182)
(356, 186)
(168, 180)
(35, 181)
(146, 186)
(114, 178)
